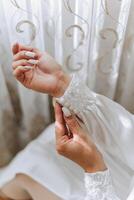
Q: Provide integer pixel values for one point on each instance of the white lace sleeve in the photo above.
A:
(99, 186)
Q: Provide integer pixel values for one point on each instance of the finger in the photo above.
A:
(24, 55)
(19, 72)
(29, 48)
(19, 47)
(72, 123)
(15, 48)
(26, 48)
(60, 127)
(24, 62)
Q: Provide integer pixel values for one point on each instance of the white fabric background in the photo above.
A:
(92, 37)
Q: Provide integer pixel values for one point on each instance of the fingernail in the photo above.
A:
(30, 54)
(20, 67)
(54, 102)
(27, 67)
(33, 62)
(24, 68)
(66, 112)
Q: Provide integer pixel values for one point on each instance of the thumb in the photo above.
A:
(15, 48)
(71, 121)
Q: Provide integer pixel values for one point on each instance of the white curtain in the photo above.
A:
(94, 38)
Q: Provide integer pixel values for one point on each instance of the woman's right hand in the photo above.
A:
(38, 71)
(79, 148)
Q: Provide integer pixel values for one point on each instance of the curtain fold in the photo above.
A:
(93, 38)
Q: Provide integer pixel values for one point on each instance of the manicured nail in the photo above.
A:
(27, 67)
(24, 67)
(66, 112)
(20, 67)
(30, 54)
(33, 62)
(54, 102)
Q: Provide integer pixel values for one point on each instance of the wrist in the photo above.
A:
(96, 167)
(97, 163)
(62, 84)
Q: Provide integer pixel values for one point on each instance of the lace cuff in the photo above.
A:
(99, 179)
(99, 186)
(77, 97)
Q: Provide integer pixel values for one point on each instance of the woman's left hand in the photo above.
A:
(38, 71)
(78, 148)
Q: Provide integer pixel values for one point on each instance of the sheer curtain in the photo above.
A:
(94, 38)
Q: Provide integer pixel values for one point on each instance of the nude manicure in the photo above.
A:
(33, 62)
(54, 102)
(27, 67)
(30, 54)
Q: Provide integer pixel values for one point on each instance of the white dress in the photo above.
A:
(111, 128)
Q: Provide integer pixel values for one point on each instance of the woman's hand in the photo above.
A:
(78, 148)
(38, 71)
